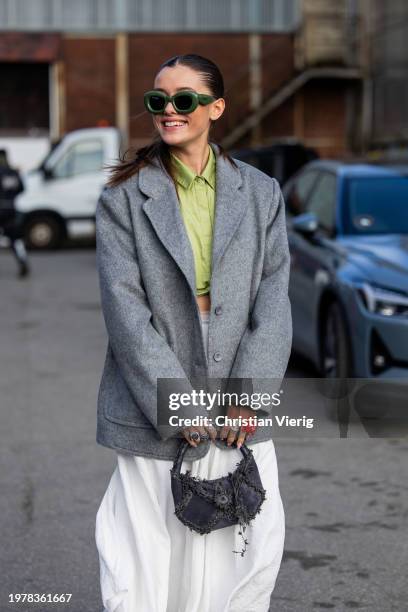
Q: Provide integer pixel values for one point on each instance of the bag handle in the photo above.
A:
(183, 449)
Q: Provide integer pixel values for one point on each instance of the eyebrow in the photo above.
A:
(178, 89)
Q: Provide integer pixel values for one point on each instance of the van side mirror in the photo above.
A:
(48, 173)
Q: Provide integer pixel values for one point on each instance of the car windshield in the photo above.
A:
(376, 205)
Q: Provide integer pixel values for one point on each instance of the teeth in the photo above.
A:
(171, 123)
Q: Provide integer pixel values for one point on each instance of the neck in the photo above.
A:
(194, 155)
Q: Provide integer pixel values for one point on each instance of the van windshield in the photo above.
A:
(53, 146)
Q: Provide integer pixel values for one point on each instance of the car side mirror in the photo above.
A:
(305, 224)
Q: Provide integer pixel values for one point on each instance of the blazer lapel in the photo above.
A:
(230, 205)
(162, 208)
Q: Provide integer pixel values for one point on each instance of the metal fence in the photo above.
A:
(150, 15)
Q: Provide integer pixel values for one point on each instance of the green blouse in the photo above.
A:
(197, 206)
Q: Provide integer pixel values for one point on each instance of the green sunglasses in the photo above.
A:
(183, 101)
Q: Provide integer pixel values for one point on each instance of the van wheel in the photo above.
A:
(43, 232)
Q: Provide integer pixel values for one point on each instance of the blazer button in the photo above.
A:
(218, 310)
(217, 356)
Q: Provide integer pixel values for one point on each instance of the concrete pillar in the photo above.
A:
(57, 98)
(122, 87)
(255, 83)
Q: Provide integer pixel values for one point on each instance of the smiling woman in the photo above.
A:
(186, 100)
(165, 252)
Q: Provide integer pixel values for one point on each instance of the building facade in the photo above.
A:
(387, 36)
(292, 69)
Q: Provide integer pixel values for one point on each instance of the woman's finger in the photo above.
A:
(231, 437)
(241, 438)
(186, 434)
(224, 432)
(212, 431)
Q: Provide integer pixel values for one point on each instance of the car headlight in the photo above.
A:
(383, 301)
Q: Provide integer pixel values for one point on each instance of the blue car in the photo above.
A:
(348, 236)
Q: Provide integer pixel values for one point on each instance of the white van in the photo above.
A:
(60, 196)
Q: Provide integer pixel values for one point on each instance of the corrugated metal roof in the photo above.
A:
(150, 15)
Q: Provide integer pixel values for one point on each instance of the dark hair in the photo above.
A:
(143, 156)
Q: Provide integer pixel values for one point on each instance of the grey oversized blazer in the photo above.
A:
(147, 284)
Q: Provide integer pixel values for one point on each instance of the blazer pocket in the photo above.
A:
(117, 402)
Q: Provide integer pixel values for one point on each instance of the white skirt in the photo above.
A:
(151, 562)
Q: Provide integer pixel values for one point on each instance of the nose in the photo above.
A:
(169, 108)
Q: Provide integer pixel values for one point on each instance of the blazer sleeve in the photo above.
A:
(142, 354)
(263, 353)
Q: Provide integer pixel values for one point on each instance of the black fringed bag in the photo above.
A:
(207, 505)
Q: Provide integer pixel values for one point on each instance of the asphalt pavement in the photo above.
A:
(346, 501)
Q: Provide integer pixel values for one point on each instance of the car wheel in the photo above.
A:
(335, 352)
(335, 364)
(43, 232)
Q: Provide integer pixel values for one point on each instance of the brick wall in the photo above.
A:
(23, 47)
(277, 61)
(317, 114)
(325, 116)
(89, 67)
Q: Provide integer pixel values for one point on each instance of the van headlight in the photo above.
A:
(383, 301)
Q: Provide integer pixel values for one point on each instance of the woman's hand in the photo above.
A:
(240, 435)
(205, 433)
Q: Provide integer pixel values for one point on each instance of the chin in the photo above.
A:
(174, 139)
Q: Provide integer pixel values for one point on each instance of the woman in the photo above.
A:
(193, 264)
